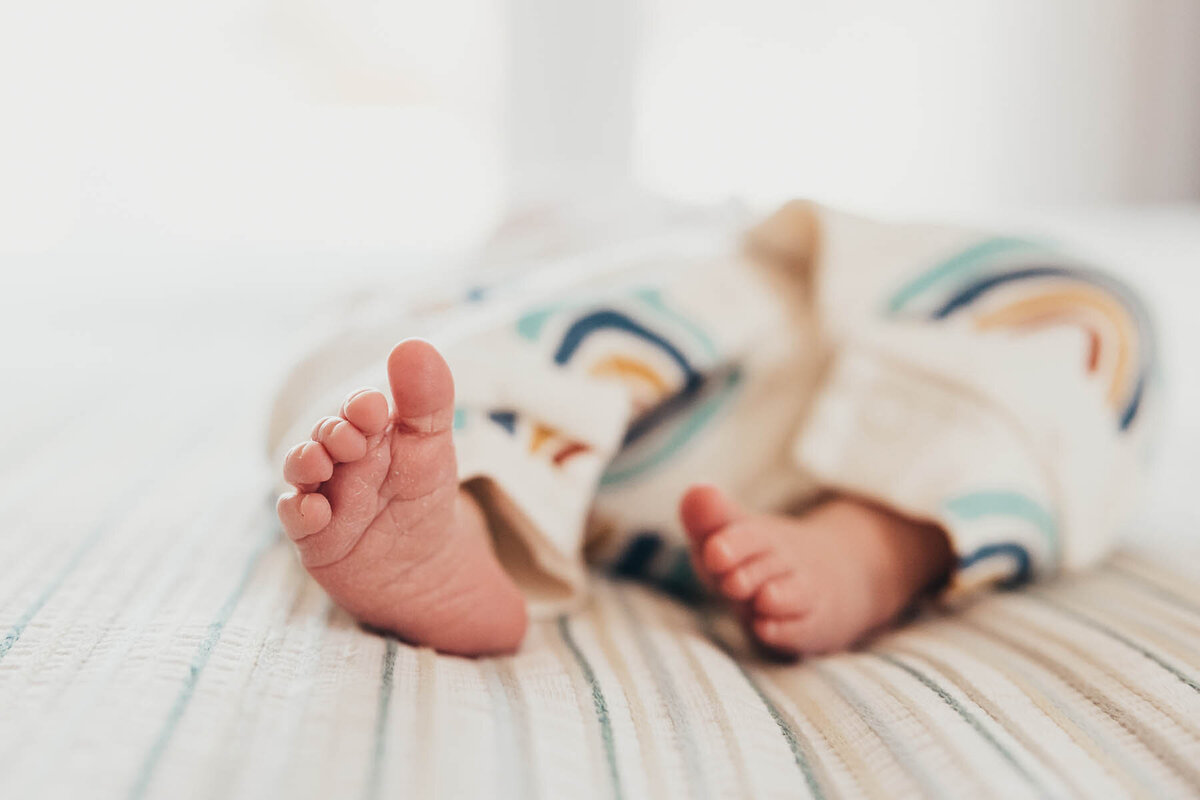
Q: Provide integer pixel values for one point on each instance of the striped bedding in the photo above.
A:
(160, 640)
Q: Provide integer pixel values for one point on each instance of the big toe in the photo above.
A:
(705, 509)
(422, 387)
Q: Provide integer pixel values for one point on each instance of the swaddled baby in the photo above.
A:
(823, 426)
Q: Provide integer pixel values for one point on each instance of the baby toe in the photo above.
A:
(704, 510)
(744, 581)
(731, 546)
(783, 596)
(343, 440)
(303, 514)
(307, 464)
(367, 409)
(323, 426)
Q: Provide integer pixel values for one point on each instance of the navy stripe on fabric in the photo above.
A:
(607, 318)
(802, 759)
(662, 412)
(141, 487)
(1141, 316)
(383, 711)
(1156, 588)
(599, 702)
(1134, 404)
(1120, 637)
(672, 701)
(1016, 551)
(966, 716)
(978, 288)
(610, 319)
(196, 668)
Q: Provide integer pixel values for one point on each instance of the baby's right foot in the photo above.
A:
(381, 523)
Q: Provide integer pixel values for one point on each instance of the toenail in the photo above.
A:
(353, 398)
(308, 506)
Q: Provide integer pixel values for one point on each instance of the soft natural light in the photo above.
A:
(937, 105)
(147, 127)
(441, 399)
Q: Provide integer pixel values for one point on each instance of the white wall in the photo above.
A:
(934, 104)
(159, 126)
(353, 126)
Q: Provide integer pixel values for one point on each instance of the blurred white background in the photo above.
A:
(174, 173)
(362, 127)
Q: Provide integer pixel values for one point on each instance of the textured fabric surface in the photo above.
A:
(160, 640)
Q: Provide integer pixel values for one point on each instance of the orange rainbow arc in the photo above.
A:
(1119, 327)
(1064, 307)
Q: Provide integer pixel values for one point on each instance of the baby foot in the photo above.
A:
(813, 583)
(381, 523)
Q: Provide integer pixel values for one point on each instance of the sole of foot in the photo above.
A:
(380, 521)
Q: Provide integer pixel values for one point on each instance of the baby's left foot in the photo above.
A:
(814, 583)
